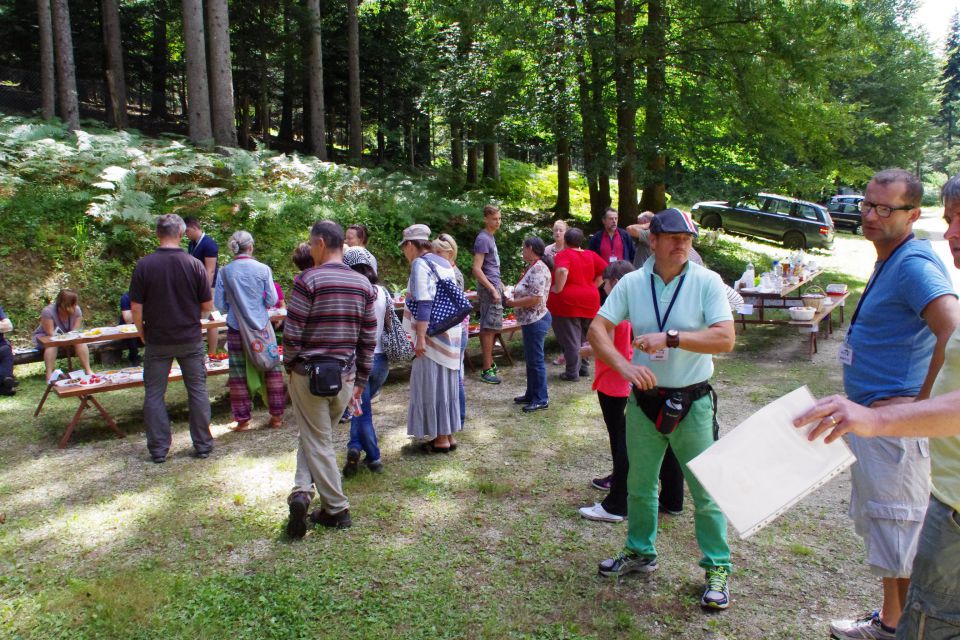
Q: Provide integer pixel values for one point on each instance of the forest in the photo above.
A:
(648, 101)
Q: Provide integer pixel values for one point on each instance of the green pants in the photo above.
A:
(645, 450)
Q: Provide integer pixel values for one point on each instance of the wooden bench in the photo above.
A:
(509, 330)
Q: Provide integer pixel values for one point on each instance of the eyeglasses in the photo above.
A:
(882, 210)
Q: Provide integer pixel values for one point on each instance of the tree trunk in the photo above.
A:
(116, 80)
(48, 84)
(456, 145)
(593, 118)
(381, 125)
(491, 161)
(221, 74)
(263, 107)
(654, 196)
(159, 58)
(285, 131)
(424, 152)
(317, 135)
(244, 138)
(198, 90)
(66, 70)
(353, 65)
(625, 80)
(562, 208)
(473, 160)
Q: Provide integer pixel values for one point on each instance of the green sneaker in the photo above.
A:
(715, 594)
(490, 376)
(624, 563)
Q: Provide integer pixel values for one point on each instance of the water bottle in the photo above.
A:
(749, 275)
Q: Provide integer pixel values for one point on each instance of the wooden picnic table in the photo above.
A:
(783, 299)
(85, 395)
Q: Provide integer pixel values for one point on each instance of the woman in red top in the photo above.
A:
(574, 300)
(613, 392)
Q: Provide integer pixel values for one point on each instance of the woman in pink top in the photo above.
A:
(613, 392)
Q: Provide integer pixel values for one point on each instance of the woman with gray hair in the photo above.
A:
(251, 292)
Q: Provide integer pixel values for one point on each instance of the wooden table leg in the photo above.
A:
(503, 345)
(43, 399)
(73, 423)
(107, 418)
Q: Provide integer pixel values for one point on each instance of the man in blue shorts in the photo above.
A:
(932, 609)
(892, 353)
(680, 317)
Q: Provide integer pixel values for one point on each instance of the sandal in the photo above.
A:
(276, 422)
(242, 425)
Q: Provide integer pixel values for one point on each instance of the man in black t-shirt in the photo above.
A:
(169, 291)
(205, 249)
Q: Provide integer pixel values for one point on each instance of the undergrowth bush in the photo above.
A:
(83, 205)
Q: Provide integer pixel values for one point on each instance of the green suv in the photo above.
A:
(796, 223)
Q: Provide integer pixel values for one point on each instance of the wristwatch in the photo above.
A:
(673, 338)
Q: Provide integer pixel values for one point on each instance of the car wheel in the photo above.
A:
(711, 221)
(794, 240)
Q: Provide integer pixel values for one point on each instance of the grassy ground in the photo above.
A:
(97, 542)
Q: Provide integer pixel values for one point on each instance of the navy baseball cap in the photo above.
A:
(672, 221)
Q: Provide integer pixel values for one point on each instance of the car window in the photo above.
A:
(851, 208)
(750, 203)
(807, 212)
(780, 207)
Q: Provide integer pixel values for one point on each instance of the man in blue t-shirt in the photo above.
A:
(8, 383)
(205, 249)
(486, 269)
(892, 353)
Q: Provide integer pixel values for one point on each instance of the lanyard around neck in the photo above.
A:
(656, 307)
(873, 281)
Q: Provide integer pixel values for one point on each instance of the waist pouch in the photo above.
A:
(325, 374)
(666, 408)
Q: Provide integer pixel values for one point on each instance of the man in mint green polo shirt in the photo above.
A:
(680, 317)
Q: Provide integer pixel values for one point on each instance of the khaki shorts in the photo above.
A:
(491, 313)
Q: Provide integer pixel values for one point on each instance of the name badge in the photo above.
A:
(613, 258)
(659, 356)
(845, 355)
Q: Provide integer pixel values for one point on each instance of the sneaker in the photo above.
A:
(200, 455)
(673, 512)
(602, 484)
(624, 563)
(490, 376)
(375, 467)
(559, 360)
(521, 400)
(715, 594)
(598, 514)
(339, 520)
(297, 522)
(536, 406)
(159, 459)
(868, 627)
(353, 463)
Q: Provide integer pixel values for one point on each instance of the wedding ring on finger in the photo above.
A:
(833, 421)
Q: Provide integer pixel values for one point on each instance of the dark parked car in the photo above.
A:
(845, 211)
(795, 223)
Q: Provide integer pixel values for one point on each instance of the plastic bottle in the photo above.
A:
(749, 275)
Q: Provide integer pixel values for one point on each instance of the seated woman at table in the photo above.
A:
(8, 383)
(63, 315)
(244, 292)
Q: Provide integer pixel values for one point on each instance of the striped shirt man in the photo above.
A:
(331, 313)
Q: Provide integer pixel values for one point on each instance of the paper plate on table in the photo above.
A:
(127, 328)
(73, 335)
(93, 381)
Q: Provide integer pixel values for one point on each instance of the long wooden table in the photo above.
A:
(85, 395)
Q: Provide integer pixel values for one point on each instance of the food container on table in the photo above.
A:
(836, 289)
(802, 314)
(814, 297)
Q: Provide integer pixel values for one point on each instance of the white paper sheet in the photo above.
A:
(766, 465)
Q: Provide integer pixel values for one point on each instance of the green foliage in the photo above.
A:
(89, 216)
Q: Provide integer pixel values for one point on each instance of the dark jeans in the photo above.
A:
(571, 333)
(133, 350)
(614, 417)
(157, 360)
(534, 335)
(671, 482)
(362, 434)
(6, 361)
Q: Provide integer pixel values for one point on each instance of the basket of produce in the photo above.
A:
(814, 297)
